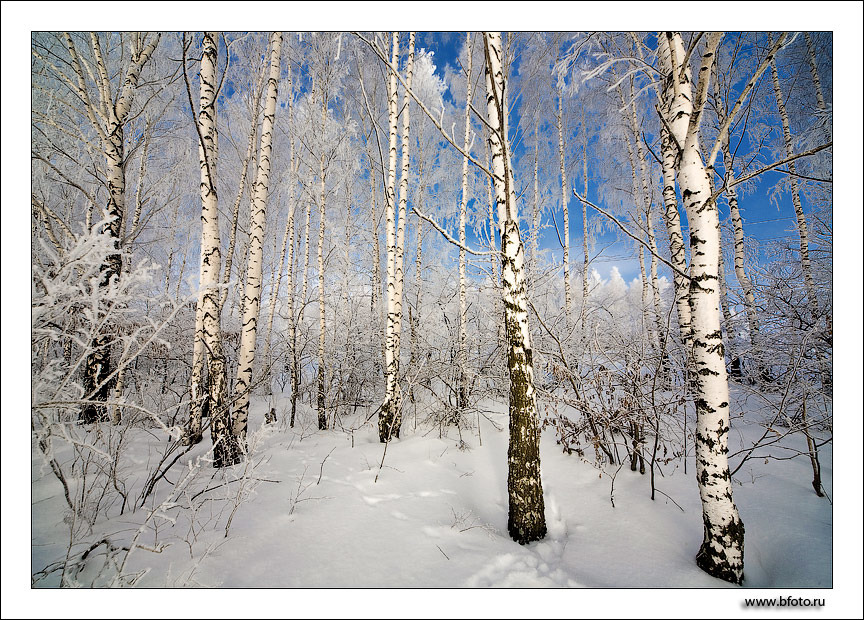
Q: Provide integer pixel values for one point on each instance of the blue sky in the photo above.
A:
(764, 220)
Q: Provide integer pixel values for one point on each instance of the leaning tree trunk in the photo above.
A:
(526, 519)
(722, 551)
(257, 221)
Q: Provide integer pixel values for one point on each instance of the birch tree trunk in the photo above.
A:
(801, 219)
(391, 372)
(297, 377)
(722, 551)
(108, 118)
(647, 323)
(496, 279)
(377, 306)
(814, 74)
(735, 366)
(677, 250)
(235, 210)
(585, 259)
(418, 265)
(462, 397)
(533, 242)
(568, 297)
(390, 419)
(289, 235)
(740, 271)
(258, 219)
(658, 328)
(322, 319)
(526, 519)
(820, 102)
(197, 405)
(225, 449)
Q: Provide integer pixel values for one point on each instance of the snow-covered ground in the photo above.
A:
(318, 509)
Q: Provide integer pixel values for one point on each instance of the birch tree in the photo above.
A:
(800, 217)
(462, 397)
(722, 550)
(721, 107)
(526, 519)
(568, 296)
(390, 419)
(209, 340)
(322, 222)
(287, 241)
(235, 210)
(252, 292)
(107, 111)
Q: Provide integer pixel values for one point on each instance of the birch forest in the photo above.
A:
(449, 309)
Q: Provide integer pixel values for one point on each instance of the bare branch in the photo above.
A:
(632, 236)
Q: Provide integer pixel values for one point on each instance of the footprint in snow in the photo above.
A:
(375, 499)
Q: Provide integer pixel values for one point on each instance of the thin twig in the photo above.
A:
(632, 236)
(321, 472)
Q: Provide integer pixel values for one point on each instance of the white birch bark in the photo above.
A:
(820, 102)
(677, 249)
(304, 291)
(800, 217)
(235, 210)
(257, 222)
(418, 264)
(108, 116)
(672, 220)
(533, 243)
(568, 297)
(740, 271)
(649, 228)
(390, 420)
(462, 397)
(496, 279)
(814, 73)
(660, 328)
(722, 550)
(322, 318)
(377, 306)
(526, 519)
(288, 236)
(225, 449)
(638, 197)
(585, 258)
(391, 376)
